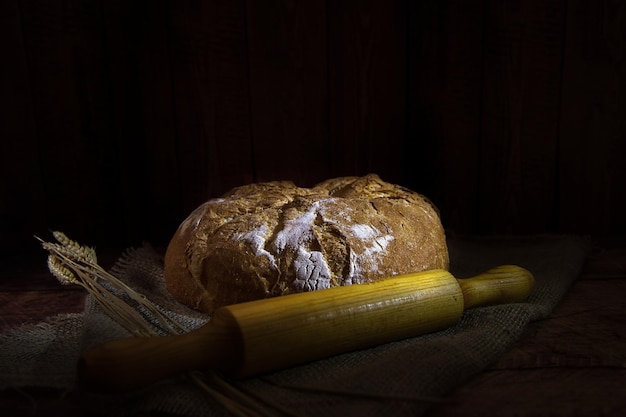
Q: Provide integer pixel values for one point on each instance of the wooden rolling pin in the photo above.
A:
(251, 338)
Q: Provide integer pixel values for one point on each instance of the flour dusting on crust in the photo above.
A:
(299, 236)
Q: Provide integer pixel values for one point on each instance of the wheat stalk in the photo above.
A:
(72, 263)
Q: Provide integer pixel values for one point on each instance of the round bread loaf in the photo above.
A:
(269, 239)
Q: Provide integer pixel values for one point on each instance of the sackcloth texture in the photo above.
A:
(400, 378)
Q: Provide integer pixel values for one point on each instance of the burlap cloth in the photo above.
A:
(401, 378)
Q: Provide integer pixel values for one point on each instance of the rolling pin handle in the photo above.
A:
(499, 285)
(123, 365)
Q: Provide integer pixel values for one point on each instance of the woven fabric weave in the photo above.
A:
(400, 378)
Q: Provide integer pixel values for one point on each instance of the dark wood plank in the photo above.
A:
(542, 54)
(32, 307)
(68, 84)
(145, 149)
(40, 402)
(592, 146)
(121, 29)
(445, 58)
(22, 201)
(156, 113)
(287, 44)
(367, 88)
(520, 115)
(211, 103)
(608, 260)
(554, 392)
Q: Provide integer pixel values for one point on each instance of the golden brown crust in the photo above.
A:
(268, 239)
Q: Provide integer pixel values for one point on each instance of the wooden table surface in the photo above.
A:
(571, 364)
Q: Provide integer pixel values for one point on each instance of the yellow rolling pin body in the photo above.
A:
(252, 338)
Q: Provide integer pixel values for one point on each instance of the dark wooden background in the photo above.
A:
(120, 117)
